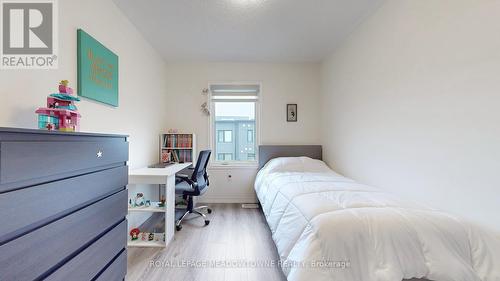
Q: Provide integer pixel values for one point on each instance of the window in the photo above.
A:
(224, 156)
(228, 136)
(234, 122)
(250, 136)
(225, 136)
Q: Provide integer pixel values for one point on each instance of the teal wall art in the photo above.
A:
(97, 70)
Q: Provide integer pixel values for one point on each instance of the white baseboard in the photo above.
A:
(227, 200)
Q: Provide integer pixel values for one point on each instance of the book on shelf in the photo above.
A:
(177, 148)
(178, 141)
(176, 155)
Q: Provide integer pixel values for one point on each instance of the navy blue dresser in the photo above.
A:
(62, 205)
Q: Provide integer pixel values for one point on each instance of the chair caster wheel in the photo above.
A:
(207, 222)
(209, 211)
(178, 227)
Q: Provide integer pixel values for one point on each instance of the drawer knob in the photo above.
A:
(99, 154)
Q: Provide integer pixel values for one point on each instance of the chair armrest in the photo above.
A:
(185, 178)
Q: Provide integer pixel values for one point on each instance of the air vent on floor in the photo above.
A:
(250, 206)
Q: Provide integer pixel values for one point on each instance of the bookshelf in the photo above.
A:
(177, 147)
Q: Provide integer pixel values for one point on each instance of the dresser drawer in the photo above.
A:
(39, 252)
(92, 260)
(115, 271)
(31, 162)
(26, 209)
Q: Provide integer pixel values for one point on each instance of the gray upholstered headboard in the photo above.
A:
(268, 152)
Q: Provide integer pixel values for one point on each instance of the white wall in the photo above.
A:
(281, 84)
(411, 103)
(142, 98)
(142, 83)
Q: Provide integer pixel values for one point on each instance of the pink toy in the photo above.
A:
(66, 120)
(61, 113)
(64, 89)
(50, 126)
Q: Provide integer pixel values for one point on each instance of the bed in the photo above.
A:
(329, 227)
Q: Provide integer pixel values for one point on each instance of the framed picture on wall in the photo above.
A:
(291, 112)
(97, 70)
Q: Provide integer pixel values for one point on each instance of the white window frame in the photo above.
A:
(212, 133)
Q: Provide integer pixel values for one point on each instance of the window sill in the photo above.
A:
(224, 166)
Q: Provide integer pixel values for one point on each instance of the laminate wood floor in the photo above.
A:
(234, 235)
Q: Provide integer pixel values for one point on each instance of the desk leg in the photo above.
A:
(170, 205)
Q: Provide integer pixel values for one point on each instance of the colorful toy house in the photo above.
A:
(61, 113)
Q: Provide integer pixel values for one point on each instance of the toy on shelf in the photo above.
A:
(165, 156)
(162, 201)
(134, 233)
(61, 113)
(139, 200)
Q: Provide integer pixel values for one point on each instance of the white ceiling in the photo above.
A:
(246, 30)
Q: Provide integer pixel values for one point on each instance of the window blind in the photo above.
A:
(235, 92)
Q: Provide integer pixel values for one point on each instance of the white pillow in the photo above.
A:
(296, 164)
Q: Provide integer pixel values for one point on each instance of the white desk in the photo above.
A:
(164, 176)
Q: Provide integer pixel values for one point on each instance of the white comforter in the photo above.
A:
(328, 227)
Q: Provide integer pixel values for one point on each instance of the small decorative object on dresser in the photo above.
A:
(291, 112)
(61, 113)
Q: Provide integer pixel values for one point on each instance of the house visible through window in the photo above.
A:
(225, 136)
(224, 156)
(250, 136)
(234, 122)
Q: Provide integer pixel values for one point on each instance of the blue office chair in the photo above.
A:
(193, 182)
